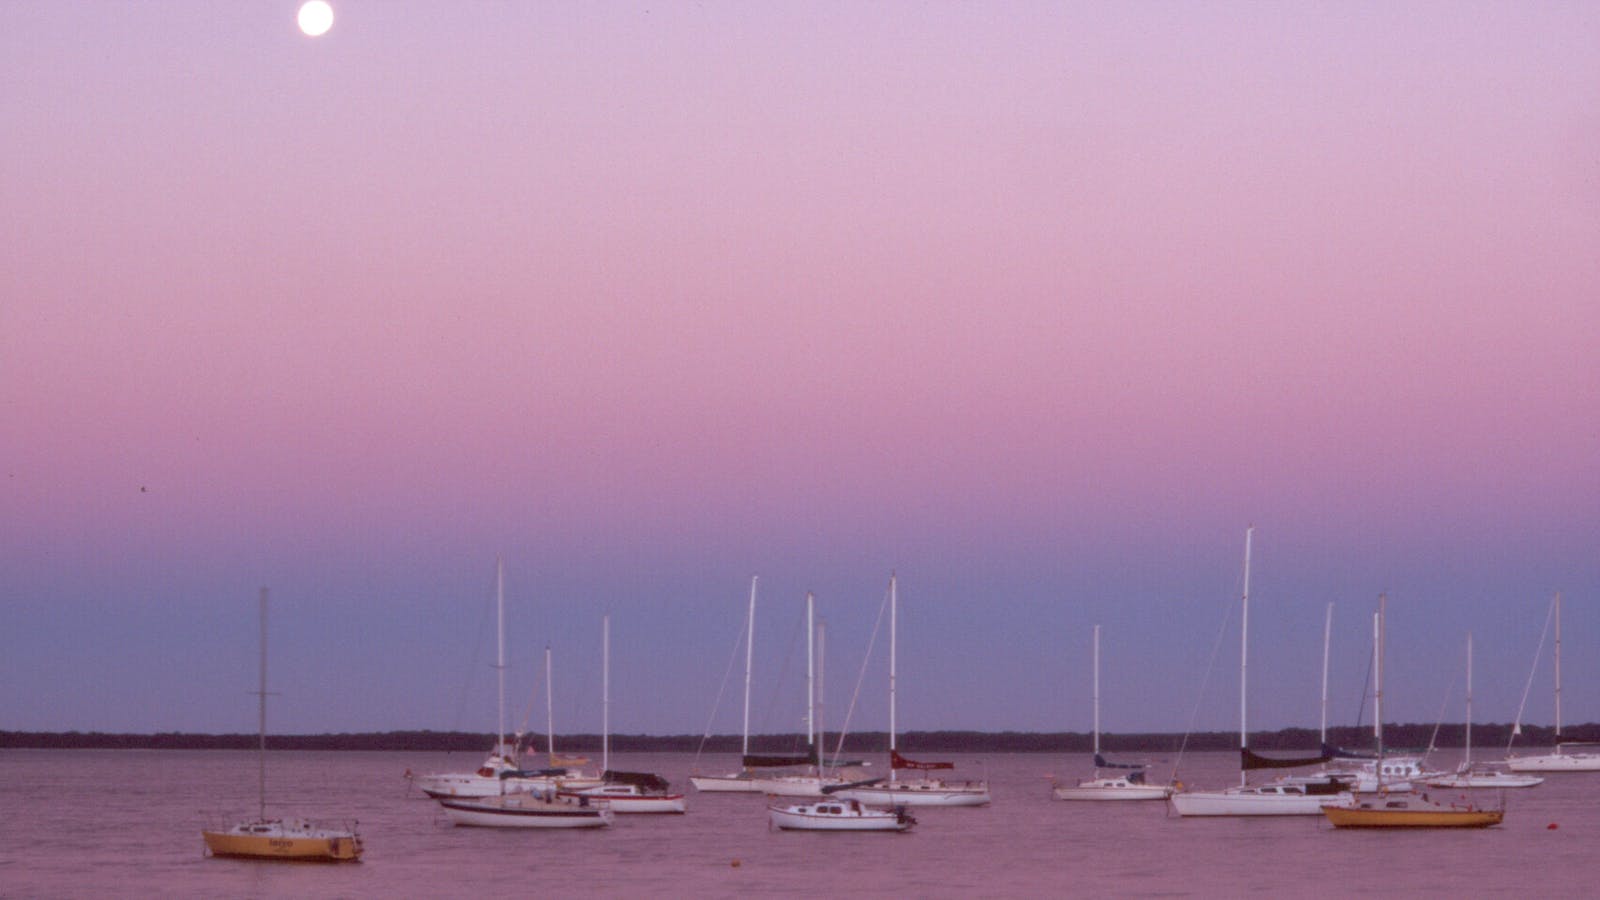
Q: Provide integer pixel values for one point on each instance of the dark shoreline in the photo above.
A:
(1411, 736)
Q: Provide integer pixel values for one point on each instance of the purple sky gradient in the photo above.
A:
(1037, 304)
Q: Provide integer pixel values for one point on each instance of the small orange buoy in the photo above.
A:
(1551, 827)
(734, 864)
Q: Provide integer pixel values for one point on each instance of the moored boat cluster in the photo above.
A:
(807, 792)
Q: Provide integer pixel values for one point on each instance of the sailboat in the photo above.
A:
(532, 800)
(566, 769)
(627, 792)
(834, 814)
(815, 782)
(1128, 786)
(1282, 798)
(1567, 756)
(1402, 809)
(1369, 773)
(279, 839)
(1478, 775)
(921, 790)
(500, 772)
(527, 809)
(743, 781)
(826, 812)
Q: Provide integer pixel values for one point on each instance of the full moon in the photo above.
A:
(316, 17)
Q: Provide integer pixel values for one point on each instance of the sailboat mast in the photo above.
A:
(261, 695)
(1377, 673)
(1097, 691)
(500, 652)
(822, 655)
(749, 651)
(1558, 666)
(894, 608)
(1467, 760)
(1244, 651)
(1327, 634)
(811, 672)
(549, 709)
(605, 692)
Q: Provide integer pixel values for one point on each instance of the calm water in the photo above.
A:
(81, 823)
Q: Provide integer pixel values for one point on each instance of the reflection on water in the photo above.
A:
(95, 821)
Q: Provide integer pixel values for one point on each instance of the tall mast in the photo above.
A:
(261, 695)
(1097, 691)
(1558, 666)
(549, 709)
(1327, 633)
(822, 655)
(500, 651)
(605, 692)
(811, 672)
(749, 650)
(1244, 650)
(1466, 762)
(1377, 672)
(894, 611)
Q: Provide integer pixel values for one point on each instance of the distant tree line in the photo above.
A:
(1407, 737)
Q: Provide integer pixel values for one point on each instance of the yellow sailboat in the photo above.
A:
(279, 839)
(1410, 811)
(1403, 809)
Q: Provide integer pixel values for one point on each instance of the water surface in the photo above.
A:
(127, 822)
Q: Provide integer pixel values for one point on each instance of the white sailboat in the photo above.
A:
(532, 800)
(500, 772)
(1567, 756)
(1283, 798)
(1128, 786)
(1478, 775)
(626, 792)
(526, 809)
(835, 814)
(814, 781)
(821, 810)
(1380, 772)
(279, 839)
(1401, 808)
(742, 781)
(921, 790)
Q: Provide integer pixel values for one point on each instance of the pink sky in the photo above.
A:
(1022, 299)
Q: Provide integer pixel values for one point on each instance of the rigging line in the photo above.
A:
(472, 666)
(1443, 704)
(838, 747)
(783, 673)
(732, 657)
(1517, 726)
(527, 711)
(1366, 683)
(1216, 648)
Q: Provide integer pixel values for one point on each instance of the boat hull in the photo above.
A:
(1111, 790)
(283, 841)
(727, 784)
(920, 793)
(525, 811)
(469, 786)
(1410, 814)
(1555, 762)
(629, 804)
(794, 785)
(1490, 780)
(1250, 803)
(850, 817)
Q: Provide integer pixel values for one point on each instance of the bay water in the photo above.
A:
(127, 823)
